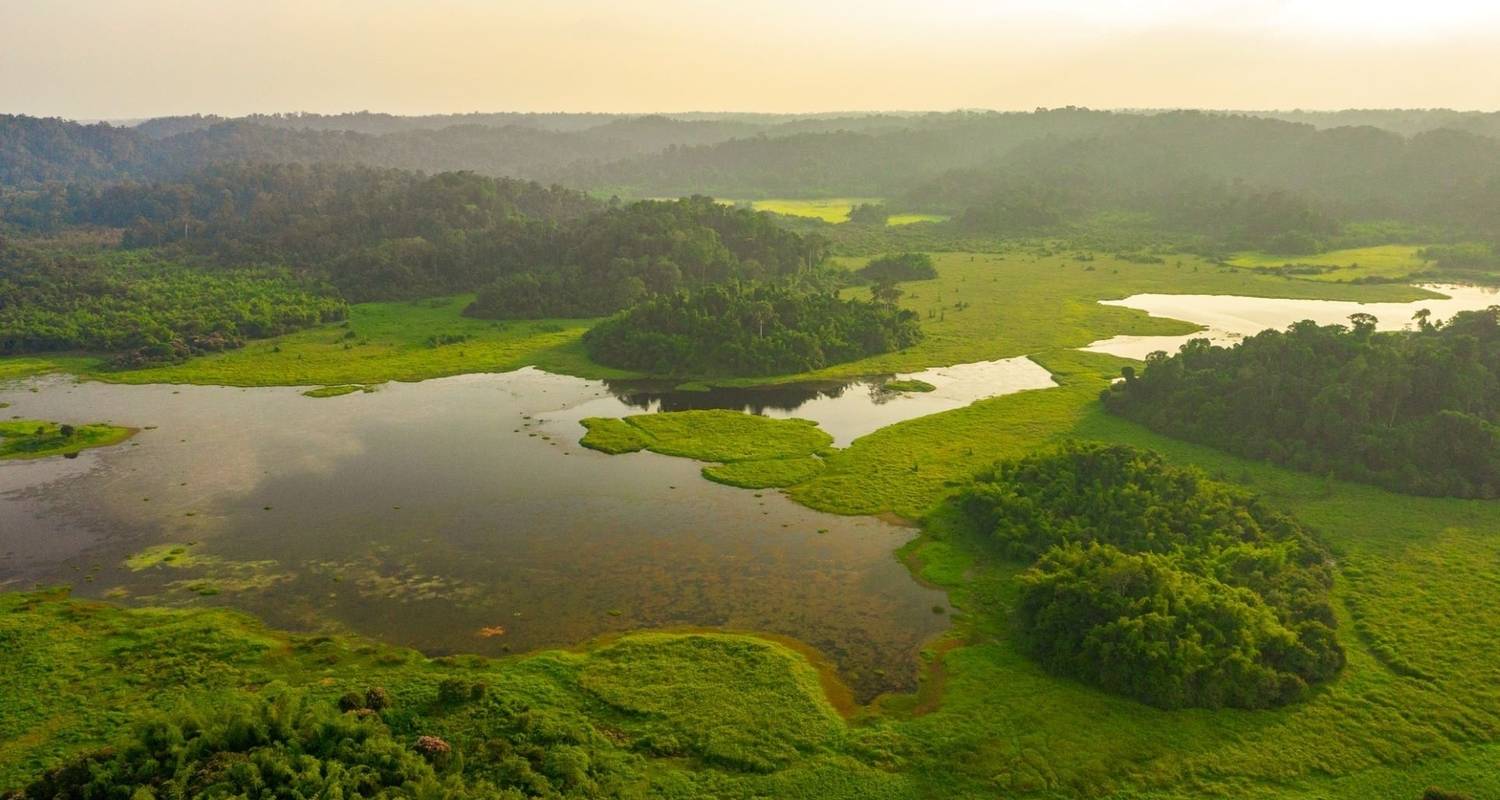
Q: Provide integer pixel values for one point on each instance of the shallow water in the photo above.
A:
(449, 515)
(846, 410)
(1229, 318)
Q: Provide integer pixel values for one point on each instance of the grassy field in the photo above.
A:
(1381, 261)
(381, 342)
(754, 452)
(33, 438)
(834, 210)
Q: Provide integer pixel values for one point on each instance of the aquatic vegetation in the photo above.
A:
(765, 473)
(337, 391)
(908, 385)
(32, 438)
(716, 435)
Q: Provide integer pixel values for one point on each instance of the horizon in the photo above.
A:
(95, 60)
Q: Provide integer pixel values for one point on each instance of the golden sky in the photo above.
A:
(133, 58)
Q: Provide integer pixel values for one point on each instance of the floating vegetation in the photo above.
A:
(908, 385)
(337, 391)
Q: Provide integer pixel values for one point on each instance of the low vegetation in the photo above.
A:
(1412, 411)
(1155, 582)
(31, 438)
(908, 385)
(753, 451)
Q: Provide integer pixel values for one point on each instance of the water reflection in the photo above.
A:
(1229, 318)
(456, 515)
(846, 410)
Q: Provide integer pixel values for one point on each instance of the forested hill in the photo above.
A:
(387, 234)
(738, 155)
(1412, 411)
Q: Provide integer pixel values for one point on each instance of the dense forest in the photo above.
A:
(749, 331)
(1412, 411)
(1288, 183)
(610, 261)
(379, 234)
(146, 308)
(1155, 582)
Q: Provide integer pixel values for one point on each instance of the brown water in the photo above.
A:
(426, 513)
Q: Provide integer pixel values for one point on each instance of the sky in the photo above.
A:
(124, 59)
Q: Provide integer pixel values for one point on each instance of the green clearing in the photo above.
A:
(833, 210)
(383, 342)
(1390, 261)
(32, 438)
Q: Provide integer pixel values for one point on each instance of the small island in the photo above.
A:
(32, 438)
(908, 385)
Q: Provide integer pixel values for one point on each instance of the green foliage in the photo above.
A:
(32, 438)
(628, 254)
(761, 330)
(282, 745)
(147, 309)
(1414, 411)
(898, 267)
(869, 214)
(1155, 582)
(714, 435)
(766, 473)
(908, 385)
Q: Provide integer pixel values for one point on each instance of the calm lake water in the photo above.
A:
(454, 515)
(1230, 318)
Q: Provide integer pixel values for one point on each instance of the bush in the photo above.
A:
(1155, 582)
(895, 268)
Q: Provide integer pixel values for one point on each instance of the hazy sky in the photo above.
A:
(134, 58)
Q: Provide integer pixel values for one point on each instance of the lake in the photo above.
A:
(451, 515)
(1229, 318)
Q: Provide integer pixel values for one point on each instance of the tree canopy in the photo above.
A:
(749, 331)
(1413, 411)
(1156, 582)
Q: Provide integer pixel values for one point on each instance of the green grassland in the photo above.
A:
(753, 451)
(384, 342)
(1390, 261)
(32, 438)
(834, 210)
